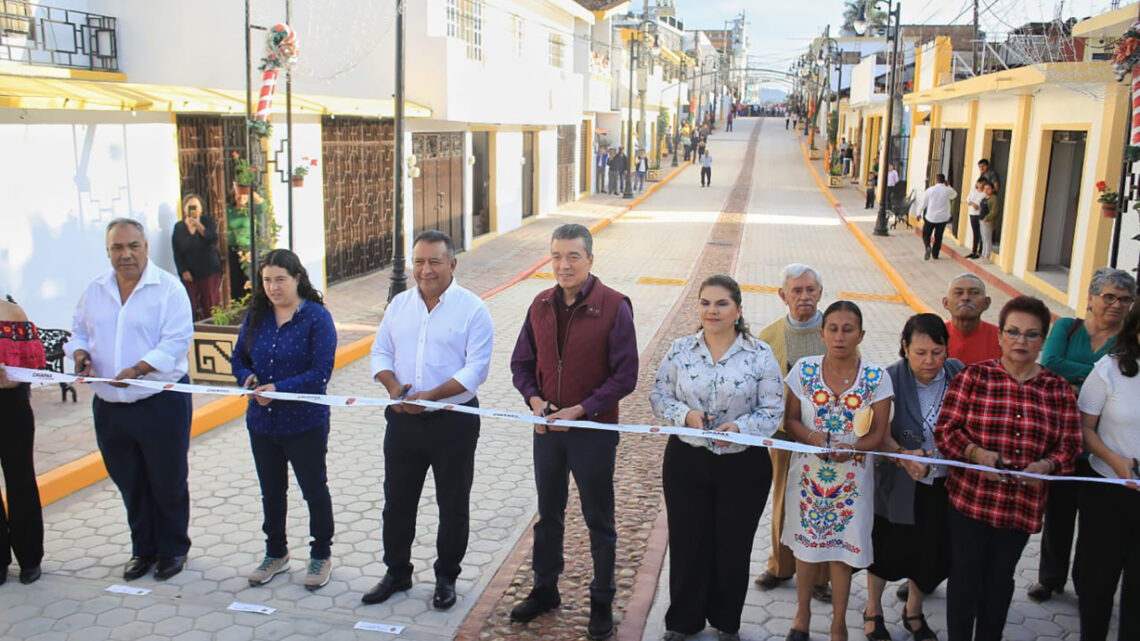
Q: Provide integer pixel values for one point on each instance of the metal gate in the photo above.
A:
(357, 155)
(438, 192)
(567, 140)
(205, 144)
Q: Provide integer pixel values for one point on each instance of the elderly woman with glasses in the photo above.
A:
(1005, 414)
(1072, 348)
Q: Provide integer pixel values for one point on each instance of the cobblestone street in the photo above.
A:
(763, 210)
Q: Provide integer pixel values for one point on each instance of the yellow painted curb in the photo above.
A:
(88, 470)
(912, 299)
(602, 224)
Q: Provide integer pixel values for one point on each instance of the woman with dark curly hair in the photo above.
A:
(288, 344)
(1110, 514)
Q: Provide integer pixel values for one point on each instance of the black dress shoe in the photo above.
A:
(169, 566)
(444, 596)
(1041, 593)
(29, 575)
(797, 635)
(384, 590)
(540, 601)
(601, 624)
(766, 581)
(137, 567)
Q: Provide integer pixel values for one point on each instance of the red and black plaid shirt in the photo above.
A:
(1023, 422)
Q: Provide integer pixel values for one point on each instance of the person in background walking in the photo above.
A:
(706, 168)
(602, 159)
(796, 335)
(137, 313)
(1072, 348)
(935, 214)
(195, 245)
(576, 358)
(728, 119)
(892, 180)
(841, 401)
(433, 344)
(1012, 414)
(715, 490)
(288, 344)
(695, 142)
(622, 162)
(909, 536)
(872, 182)
(22, 520)
(687, 141)
(848, 159)
(1110, 514)
(974, 202)
(641, 167)
(787, 119)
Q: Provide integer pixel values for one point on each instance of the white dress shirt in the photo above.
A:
(426, 349)
(155, 325)
(936, 202)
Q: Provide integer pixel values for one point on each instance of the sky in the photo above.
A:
(780, 30)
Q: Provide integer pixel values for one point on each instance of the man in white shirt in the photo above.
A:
(135, 321)
(434, 344)
(706, 169)
(936, 208)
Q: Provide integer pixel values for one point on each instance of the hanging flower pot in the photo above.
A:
(298, 181)
(1108, 210)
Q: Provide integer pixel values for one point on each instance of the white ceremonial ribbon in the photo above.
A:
(25, 375)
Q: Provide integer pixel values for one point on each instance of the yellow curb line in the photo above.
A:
(88, 470)
(912, 299)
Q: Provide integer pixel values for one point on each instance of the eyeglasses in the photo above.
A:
(1029, 337)
(1112, 299)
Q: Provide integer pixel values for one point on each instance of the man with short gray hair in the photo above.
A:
(135, 321)
(972, 339)
(792, 337)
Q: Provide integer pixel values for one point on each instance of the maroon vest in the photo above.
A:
(585, 361)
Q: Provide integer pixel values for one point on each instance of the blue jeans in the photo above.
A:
(306, 451)
(639, 181)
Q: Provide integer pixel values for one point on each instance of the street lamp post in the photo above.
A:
(860, 24)
(399, 280)
(628, 193)
(677, 121)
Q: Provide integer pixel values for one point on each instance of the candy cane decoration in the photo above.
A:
(280, 53)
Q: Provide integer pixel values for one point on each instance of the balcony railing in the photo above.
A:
(51, 36)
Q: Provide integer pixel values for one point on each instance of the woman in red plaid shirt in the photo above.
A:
(1009, 414)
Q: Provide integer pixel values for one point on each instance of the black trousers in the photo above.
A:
(982, 561)
(976, 243)
(933, 230)
(706, 176)
(305, 451)
(870, 202)
(1057, 533)
(445, 442)
(601, 180)
(613, 182)
(714, 503)
(588, 455)
(22, 521)
(1106, 548)
(144, 446)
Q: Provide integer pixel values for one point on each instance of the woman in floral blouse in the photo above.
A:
(841, 402)
(720, 379)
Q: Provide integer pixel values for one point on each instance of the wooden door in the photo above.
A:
(528, 174)
(358, 195)
(566, 143)
(438, 192)
(585, 159)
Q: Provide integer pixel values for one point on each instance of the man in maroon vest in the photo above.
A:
(575, 358)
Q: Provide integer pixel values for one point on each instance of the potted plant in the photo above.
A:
(214, 341)
(302, 170)
(835, 175)
(1109, 200)
(244, 174)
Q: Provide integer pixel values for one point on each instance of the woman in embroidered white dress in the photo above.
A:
(841, 402)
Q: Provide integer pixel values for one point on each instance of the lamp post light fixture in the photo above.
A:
(860, 24)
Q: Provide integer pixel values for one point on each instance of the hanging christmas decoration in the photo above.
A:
(280, 53)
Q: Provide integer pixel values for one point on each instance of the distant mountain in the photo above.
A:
(772, 96)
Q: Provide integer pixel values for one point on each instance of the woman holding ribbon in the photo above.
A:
(719, 379)
(1007, 414)
(288, 344)
(1073, 346)
(22, 524)
(1110, 514)
(839, 402)
(909, 537)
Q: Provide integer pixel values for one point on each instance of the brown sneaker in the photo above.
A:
(269, 568)
(319, 572)
(767, 581)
